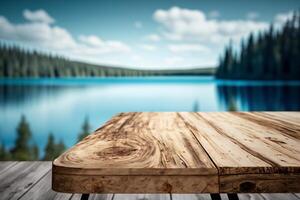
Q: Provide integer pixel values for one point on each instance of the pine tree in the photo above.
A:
(22, 149)
(232, 105)
(35, 152)
(4, 154)
(250, 55)
(50, 151)
(85, 129)
(274, 54)
(60, 148)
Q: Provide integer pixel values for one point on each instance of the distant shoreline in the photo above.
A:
(18, 62)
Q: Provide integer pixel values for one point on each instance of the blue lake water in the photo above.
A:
(60, 105)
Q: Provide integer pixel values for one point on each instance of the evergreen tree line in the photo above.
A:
(273, 54)
(26, 149)
(18, 62)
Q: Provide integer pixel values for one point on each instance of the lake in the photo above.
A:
(61, 105)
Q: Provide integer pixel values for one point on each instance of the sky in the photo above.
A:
(143, 34)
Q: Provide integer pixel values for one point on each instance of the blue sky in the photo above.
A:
(153, 34)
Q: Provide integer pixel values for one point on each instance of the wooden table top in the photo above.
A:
(185, 152)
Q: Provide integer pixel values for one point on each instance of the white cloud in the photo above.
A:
(173, 61)
(40, 32)
(214, 14)
(153, 37)
(178, 48)
(192, 30)
(43, 34)
(148, 47)
(185, 24)
(91, 40)
(38, 16)
(281, 18)
(97, 45)
(252, 15)
(136, 58)
(138, 24)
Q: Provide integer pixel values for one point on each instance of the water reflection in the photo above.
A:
(14, 95)
(260, 98)
(60, 106)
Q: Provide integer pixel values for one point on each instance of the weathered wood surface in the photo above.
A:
(245, 142)
(28, 180)
(38, 187)
(254, 152)
(135, 184)
(214, 152)
(138, 144)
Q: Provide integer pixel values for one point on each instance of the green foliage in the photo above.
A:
(23, 150)
(232, 105)
(52, 149)
(17, 62)
(35, 152)
(4, 154)
(271, 55)
(85, 131)
(60, 148)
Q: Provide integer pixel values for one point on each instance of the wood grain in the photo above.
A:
(167, 148)
(138, 144)
(135, 184)
(42, 191)
(260, 183)
(20, 178)
(6, 165)
(191, 197)
(243, 142)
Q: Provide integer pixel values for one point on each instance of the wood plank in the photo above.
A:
(101, 197)
(238, 143)
(280, 196)
(4, 165)
(141, 197)
(224, 151)
(285, 117)
(191, 197)
(138, 143)
(224, 196)
(251, 197)
(21, 177)
(245, 143)
(259, 183)
(42, 191)
(197, 197)
(128, 152)
(135, 184)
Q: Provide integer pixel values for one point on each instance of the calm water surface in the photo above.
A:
(60, 105)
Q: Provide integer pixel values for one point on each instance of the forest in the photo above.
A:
(18, 62)
(270, 55)
(26, 149)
